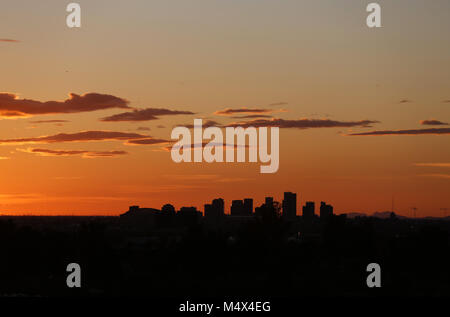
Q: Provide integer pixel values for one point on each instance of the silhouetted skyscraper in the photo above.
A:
(248, 206)
(218, 205)
(188, 216)
(289, 206)
(209, 210)
(215, 209)
(269, 201)
(326, 211)
(237, 208)
(308, 210)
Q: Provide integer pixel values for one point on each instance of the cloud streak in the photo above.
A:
(432, 131)
(206, 124)
(9, 41)
(82, 153)
(204, 145)
(433, 164)
(48, 121)
(143, 115)
(147, 141)
(252, 116)
(302, 123)
(12, 106)
(248, 111)
(432, 122)
(84, 136)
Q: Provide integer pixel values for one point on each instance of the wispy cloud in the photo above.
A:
(147, 141)
(144, 115)
(206, 124)
(302, 123)
(244, 110)
(9, 41)
(432, 122)
(47, 121)
(82, 153)
(252, 116)
(433, 131)
(433, 164)
(12, 106)
(83, 136)
(204, 145)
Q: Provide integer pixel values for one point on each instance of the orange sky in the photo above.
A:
(298, 60)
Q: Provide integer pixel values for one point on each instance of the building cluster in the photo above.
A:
(240, 211)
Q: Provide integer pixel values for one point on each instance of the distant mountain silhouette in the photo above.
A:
(386, 215)
(352, 215)
(377, 214)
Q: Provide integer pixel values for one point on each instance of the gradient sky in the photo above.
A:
(316, 59)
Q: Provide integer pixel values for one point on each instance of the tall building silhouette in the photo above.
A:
(326, 211)
(218, 205)
(208, 211)
(248, 206)
(269, 201)
(214, 213)
(215, 209)
(237, 208)
(289, 206)
(308, 210)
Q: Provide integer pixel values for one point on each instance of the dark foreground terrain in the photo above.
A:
(261, 256)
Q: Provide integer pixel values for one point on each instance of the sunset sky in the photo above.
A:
(85, 113)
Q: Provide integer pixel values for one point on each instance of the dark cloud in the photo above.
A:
(432, 122)
(435, 131)
(252, 116)
(105, 153)
(9, 40)
(229, 111)
(47, 152)
(204, 144)
(160, 126)
(206, 124)
(83, 136)
(405, 101)
(143, 129)
(446, 101)
(302, 123)
(147, 141)
(11, 105)
(48, 121)
(144, 114)
(281, 103)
